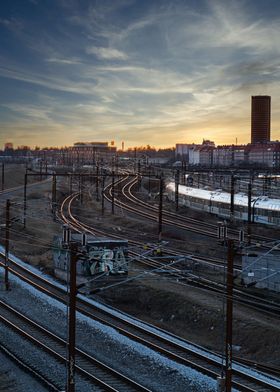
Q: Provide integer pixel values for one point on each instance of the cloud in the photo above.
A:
(64, 61)
(241, 30)
(30, 111)
(13, 24)
(151, 72)
(107, 53)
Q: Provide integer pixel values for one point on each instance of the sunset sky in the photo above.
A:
(140, 71)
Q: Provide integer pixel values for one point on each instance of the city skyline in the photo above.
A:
(142, 72)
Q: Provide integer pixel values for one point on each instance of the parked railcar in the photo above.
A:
(264, 210)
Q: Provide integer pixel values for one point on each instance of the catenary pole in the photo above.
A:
(97, 183)
(229, 315)
(177, 176)
(3, 176)
(160, 208)
(54, 195)
(249, 220)
(232, 183)
(103, 196)
(7, 244)
(113, 192)
(72, 319)
(25, 199)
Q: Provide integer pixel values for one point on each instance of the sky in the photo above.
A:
(144, 72)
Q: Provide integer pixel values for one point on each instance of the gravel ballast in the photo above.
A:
(106, 344)
(13, 379)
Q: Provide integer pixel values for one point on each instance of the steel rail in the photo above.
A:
(205, 284)
(124, 326)
(28, 368)
(85, 228)
(86, 365)
(151, 215)
(92, 311)
(124, 330)
(183, 222)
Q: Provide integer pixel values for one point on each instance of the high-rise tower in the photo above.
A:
(260, 119)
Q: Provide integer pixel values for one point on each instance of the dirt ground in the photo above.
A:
(32, 243)
(13, 175)
(198, 317)
(189, 312)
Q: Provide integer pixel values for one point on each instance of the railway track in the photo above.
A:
(160, 341)
(30, 369)
(99, 374)
(249, 300)
(150, 212)
(169, 345)
(240, 296)
(165, 347)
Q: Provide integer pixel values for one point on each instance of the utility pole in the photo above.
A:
(54, 195)
(41, 167)
(160, 208)
(138, 174)
(184, 173)
(72, 319)
(80, 189)
(70, 183)
(229, 315)
(7, 244)
(113, 192)
(249, 221)
(25, 199)
(232, 196)
(177, 176)
(139, 167)
(102, 193)
(135, 155)
(149, 183)
(117, 164)
(3, 176)
(97, 183)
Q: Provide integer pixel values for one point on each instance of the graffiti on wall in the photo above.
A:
(101, 259)
(98, 257)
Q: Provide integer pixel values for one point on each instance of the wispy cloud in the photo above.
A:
(106, 53)
(64, 61)
(13, 24)
(29, 111)
(151, 72)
